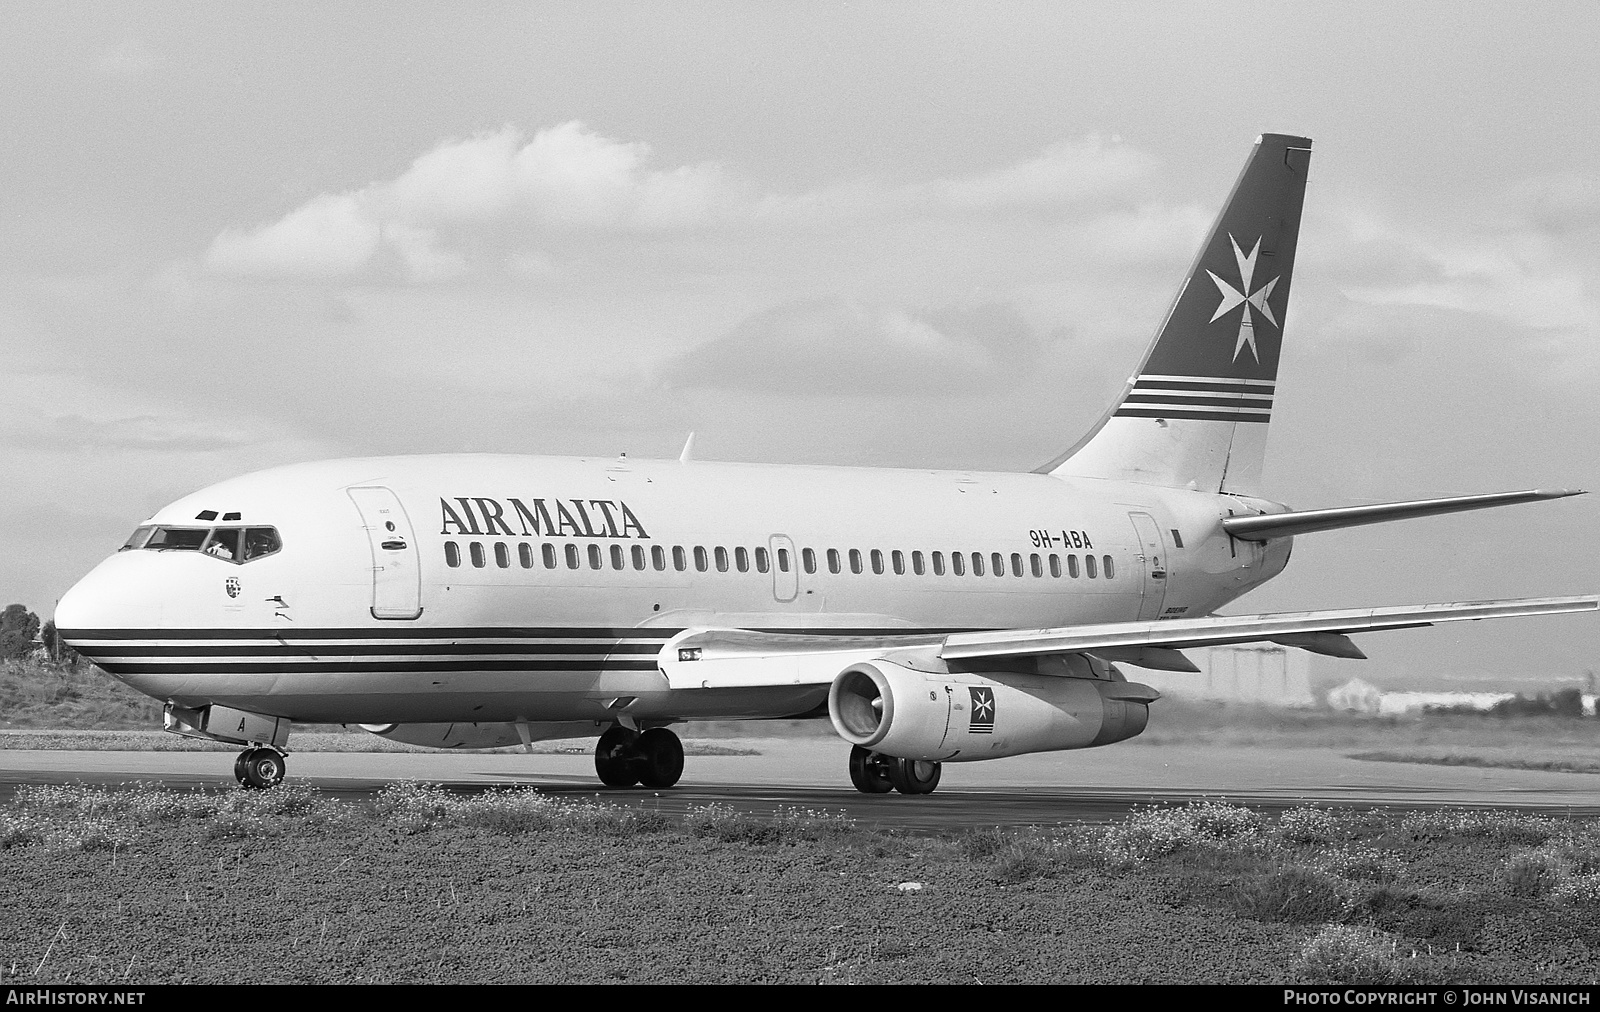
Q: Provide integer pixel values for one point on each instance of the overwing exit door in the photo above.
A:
(396, 574)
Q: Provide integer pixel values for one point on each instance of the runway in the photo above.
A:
(1070, 787)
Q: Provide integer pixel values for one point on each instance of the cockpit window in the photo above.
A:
(259, 541)
(177, 539)
(224, 543)
(137, 539)
(231, 544)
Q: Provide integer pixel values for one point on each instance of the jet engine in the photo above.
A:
(899, 711)
(488, 735)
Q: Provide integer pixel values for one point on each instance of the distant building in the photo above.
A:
(1264, 674)
(1356, 695)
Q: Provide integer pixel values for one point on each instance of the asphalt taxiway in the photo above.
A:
(1067, 787)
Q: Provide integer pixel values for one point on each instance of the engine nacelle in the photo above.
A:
(910, 714)
(468, 735)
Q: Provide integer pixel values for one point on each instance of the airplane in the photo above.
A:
(482, 600)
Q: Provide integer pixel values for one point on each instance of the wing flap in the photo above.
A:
(739, 658)
(1218, 630)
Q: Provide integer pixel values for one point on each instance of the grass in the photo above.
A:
(148, 885)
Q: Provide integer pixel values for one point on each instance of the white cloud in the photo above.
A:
(480, 201)
(329, 237)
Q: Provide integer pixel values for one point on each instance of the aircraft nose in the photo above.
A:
(110, 597)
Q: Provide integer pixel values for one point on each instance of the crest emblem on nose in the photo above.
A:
(232, 586)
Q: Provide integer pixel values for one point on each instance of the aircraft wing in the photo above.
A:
(729, 658)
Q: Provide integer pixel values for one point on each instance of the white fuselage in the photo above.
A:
(354, 621)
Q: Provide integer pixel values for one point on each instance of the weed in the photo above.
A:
(1500, 827)
(1293, 893)
(1361, 864)
(1310, 825)
(1531, 873)
(1157, 832)
(1342, 954)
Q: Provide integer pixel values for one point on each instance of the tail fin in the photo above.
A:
(1195, 413)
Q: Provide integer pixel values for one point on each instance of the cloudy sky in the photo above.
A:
(233, 236)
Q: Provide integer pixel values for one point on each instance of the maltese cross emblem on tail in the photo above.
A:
(1232, 297)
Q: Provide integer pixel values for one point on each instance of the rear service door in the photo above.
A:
(396, 574)
(1153, 555)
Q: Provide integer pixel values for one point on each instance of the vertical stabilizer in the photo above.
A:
(1195, 413)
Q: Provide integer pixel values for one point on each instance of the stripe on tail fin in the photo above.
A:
(1195, 412)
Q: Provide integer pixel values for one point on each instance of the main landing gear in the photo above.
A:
(625, 757)
(260, 766)
(876, 773)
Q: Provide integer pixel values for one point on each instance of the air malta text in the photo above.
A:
(572, 518)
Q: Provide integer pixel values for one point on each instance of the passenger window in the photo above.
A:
(1088, 566)
(898, 558)
(833, 560)
(855, 561)
(999, 563)
(977, 563)
(616, 557)
(741, 559)
(783, 560)
(549, 553)
(595, 562)
(638, 557)
(808, 559)
(958, 564)
(938, 563)
(722, 559)
(1037, 564)
(658, 558)
(224, 544)
(700, 563)
(452, 554)
(1055, 565)
(680, 561)
(762, 565)
(572, 556)
(916, 563)
(1110, 570)
(877, 562)
(1072, 566)
(502, 555)
(1016, 564)
(476, 548)
(525, 555)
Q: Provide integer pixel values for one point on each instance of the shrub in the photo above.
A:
(1309, 825)
(1340, 954)
(1157, 832)
(1361, 864)
(1531, 873)
(1292, 893)
(1502, 827)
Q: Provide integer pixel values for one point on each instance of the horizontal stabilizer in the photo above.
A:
(1283, 525)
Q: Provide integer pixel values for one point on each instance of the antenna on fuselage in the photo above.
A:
(688, 450)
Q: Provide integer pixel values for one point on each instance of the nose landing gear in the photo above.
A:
(625, 757)
(260, 766)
